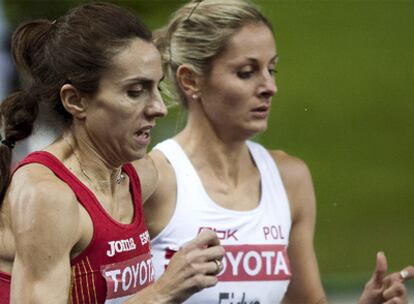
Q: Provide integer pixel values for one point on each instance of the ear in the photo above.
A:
(188, 81)
(72, 101)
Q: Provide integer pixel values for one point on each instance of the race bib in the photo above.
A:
(255, 263)
(126, 278)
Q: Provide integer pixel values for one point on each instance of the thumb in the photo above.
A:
(381, 267)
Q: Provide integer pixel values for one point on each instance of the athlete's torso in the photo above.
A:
(256, 266)
(117, 262)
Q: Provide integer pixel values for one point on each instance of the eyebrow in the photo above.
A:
(142, 79)
(137, 79)
(254, 60)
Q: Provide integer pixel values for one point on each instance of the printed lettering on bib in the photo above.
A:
(125, 278)
(268, 262)
(255, 263)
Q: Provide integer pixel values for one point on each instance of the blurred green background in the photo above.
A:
(345, 105)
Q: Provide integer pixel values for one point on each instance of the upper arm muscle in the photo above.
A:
(305, 285)
(45, 222)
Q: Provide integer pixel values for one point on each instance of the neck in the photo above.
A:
(223, 158)
(91, 164)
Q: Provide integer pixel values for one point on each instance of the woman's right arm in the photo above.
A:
(190, 270)
(44, 220)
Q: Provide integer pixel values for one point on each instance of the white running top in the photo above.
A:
(256, 267)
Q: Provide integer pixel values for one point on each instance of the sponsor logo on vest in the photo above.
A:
(229, 298)
(144, 237)
(120, 246)
(273, 232)
(222, 234)
(255, 263)
(128, 277)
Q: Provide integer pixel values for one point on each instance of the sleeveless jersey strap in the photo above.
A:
(177, 158)
(50, 161)
(85, 197)
(271, 179)
(265, 161)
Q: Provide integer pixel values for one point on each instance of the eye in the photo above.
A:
(245, 74)
(135, 91)
(273, 71)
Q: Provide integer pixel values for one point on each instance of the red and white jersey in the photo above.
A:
(256, 266)
(117, 262)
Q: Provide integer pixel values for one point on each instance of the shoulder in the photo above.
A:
(152, 169)
(45, 222)
(166, 175)
(293, 170)
(35, 181)
(297, 181)
(148, 175)
(160, 161)
(38, 200)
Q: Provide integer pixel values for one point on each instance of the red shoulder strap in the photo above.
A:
(50, 161)
(84, 195)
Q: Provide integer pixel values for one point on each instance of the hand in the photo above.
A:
(394, 289)
(382, 289)
(193, 268)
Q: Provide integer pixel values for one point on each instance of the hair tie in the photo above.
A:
(9, 144)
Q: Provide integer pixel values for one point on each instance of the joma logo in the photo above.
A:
(120, 246)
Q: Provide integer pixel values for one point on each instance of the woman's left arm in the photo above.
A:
(305, 285)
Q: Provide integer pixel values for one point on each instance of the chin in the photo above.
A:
(250, 134)
(137, 154)
(257, 129)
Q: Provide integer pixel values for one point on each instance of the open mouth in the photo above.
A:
(145, 133)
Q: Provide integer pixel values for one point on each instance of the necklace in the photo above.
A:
(119, 176)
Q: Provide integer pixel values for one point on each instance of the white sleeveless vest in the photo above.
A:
(256, 266)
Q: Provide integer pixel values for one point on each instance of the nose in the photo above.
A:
(268, 86)
(156, 107)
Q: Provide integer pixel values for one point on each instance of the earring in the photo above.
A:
(195, 96)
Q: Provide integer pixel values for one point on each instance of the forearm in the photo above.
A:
(37, 292)
(152, 294)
